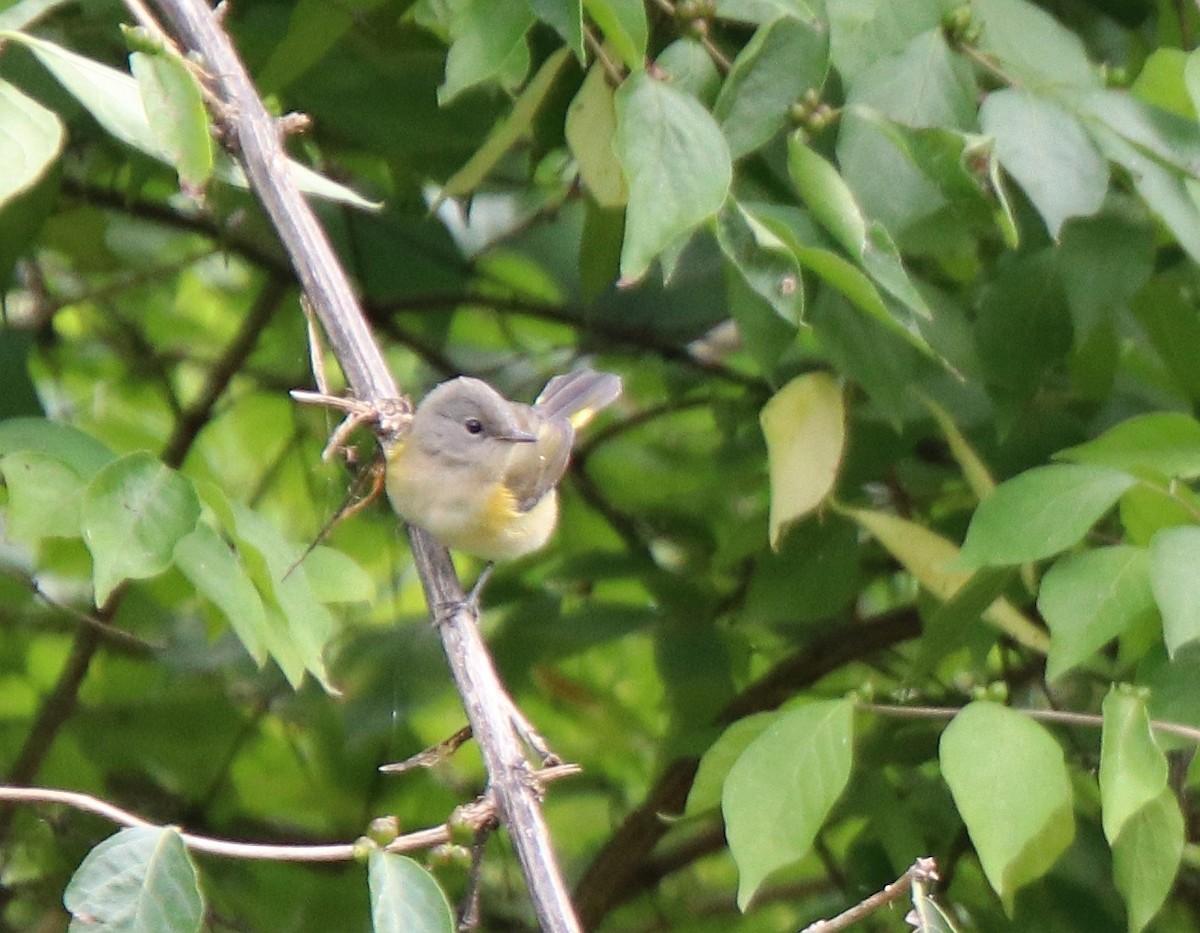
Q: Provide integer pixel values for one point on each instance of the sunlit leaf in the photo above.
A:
(676, 164)
(43, 497)
(781, 789)
(1012, 788)
(405, 898)
(139, 881)
(1174, 559)
(30, 139)
(1090, 598)
(135, 511)
(1041, 512)
(804, 425)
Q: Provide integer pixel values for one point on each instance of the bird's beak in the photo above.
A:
(517, 437)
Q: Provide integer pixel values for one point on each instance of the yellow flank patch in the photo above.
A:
(498, 512)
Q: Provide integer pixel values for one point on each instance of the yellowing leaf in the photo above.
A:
(805, 428)
(934, 561)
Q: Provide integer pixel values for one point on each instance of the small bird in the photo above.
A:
(479, 472)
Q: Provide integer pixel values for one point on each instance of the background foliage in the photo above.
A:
(946, 459)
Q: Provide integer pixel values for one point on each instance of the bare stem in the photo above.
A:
(923, 870)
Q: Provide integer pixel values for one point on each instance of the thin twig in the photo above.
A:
(923, 870)
(480, 812)
(1062, 717)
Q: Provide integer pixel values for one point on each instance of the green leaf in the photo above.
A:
(175, 110)
(1133, 769)
(925, 84)
(687, 66)
(31, 138)
(25, 12)
(299, 626)
(763, 11)
(952, 161)
(832, 203)
(1162, 82)
(1146, 858)
(1048, 152)
(1174, 559)
(486, 35)
(139, 881)
(1041, 512)
(623, 23)
(405, 898)
(781, 789)
(590, 129)
(135, 511)
(974, 470)
(1161, 152)
(1034, 48)
(764, 262)
(336, 578)
(804, 424)
(1146, 510)
(509, 130)
(217, 574)
(676, 164)
(1104, 262)
(43, 498)
(113, 98)
(783, 61)
(81, 452)
(1088, 599)
(709, 782)
(1165, 443)
(864, 33)
(938, 566)
(827, 196)
(566, 18)
(1012, 788)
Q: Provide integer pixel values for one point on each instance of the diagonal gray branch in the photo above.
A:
(488, 706)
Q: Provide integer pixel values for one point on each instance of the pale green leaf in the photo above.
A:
(1175, 578)
(1011, 786)
(81, 452)
(566, 18)
(1164, 442)
(135, 511)
(591, 128)
(783, 61)
(405, 898)
(1088, 599)
(336, 578)
(765, 263)
(509, 131)
(485, 35)
(1041, 512)
(1146, 858)
(218, 575)
(936, 564)
(1133, 769)
(1047, 151)
(139, 881)
(676, 164)
(43, 497)
(1034, 48)
(175, 109)
(804, 424)
(30, 139)
(781, 789)
(624, 25)
(707, 786)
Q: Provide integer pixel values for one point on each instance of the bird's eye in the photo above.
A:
(473, 425)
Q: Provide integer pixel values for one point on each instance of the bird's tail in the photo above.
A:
(578, 396)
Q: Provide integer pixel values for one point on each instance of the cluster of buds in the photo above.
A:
(812, 114)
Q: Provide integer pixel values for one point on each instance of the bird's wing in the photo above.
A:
(534, 469)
